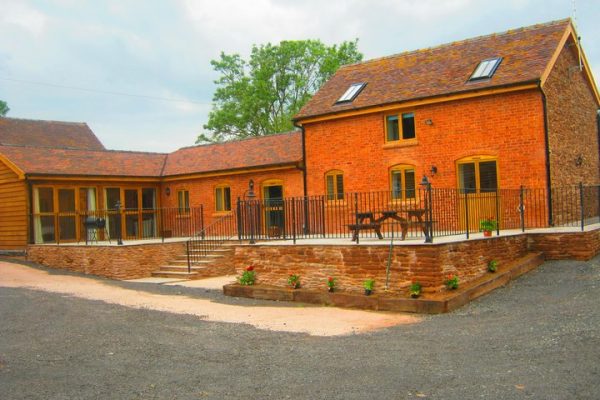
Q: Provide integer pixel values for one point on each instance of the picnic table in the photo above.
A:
(367, 221)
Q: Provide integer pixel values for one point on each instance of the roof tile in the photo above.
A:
(441, 70)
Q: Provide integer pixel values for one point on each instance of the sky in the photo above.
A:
(138, 71)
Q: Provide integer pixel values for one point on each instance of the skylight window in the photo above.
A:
(486, 69)
(351, 93)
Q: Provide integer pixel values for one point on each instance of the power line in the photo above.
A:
(107, 92)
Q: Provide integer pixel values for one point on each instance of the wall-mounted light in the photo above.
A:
(168, 191)
(433, 170)
(428, 122)
(579, 161)
(251, 193)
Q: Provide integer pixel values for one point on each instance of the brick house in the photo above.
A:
(498, 111)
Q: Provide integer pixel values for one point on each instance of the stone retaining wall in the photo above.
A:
(118, 262)
(566, 246)
(352, 264)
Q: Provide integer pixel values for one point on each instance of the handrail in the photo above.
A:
(211, 238)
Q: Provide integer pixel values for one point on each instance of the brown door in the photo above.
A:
(478, 185)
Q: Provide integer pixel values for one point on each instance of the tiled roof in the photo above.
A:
(248, 153)
(47, 161)
(268, 150)
(25, 132)
(441, 70)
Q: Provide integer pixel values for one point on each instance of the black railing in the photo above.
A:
(423, 213)
(116, 224)
(211, 238)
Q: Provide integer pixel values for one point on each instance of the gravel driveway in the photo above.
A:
(538, 338)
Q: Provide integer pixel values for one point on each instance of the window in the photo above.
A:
(486, 69)
(400, 127)
(334, 184)
(402, 181)
(478, 175)
(351, 93)
(183, 201)
(223, 198)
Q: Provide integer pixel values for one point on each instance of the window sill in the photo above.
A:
(401, 143)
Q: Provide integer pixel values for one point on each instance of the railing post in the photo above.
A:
(467, 211)
(294, 220)
(522, 207)
(428, 214)
(239, 218)
(356, 217)
(323, 217)
(187, 247)
(202, 220)
(581, 199)
(497, 214)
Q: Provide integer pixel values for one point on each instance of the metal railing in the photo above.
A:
(210, 239)
(115, 224)
(423, 213)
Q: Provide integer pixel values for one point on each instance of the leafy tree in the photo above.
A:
(260, 96)
(3, 108)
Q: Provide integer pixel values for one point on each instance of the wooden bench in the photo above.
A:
(365, 221)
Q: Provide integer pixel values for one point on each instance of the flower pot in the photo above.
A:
(330, 290)
(368, 292)
(487, 233)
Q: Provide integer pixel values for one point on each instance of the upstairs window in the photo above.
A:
(334, 182)
(486, 69)
(351, 93)
(400, 127)
(223, 198)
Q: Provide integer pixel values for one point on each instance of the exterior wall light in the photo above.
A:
(168, 191)
(428, 122)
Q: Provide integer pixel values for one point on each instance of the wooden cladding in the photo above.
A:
(13, 210)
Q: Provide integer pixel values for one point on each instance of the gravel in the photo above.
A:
(537, 338)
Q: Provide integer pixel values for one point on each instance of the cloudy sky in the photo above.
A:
(152, 50)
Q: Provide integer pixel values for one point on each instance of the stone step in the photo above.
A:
(182, 268)
(174, 274)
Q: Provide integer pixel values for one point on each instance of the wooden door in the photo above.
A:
(478, 186)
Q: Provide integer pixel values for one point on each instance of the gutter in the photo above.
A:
(547, 151)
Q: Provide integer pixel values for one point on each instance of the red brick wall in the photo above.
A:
(572, 126)
(509, 126)
(351, 264)
(202, 190)
(117, 262)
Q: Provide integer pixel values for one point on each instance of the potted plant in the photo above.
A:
(248, 276)
(331, 284)
(487, 225)
(493, 266)
(452, 282)
(368, 285)
(294, 281)
(415, 290)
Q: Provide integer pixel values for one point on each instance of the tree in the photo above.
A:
(260, 96)
(3, 108)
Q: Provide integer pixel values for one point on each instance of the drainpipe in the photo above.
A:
(304, 178)
(547, 148)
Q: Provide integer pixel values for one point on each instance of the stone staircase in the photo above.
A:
(216, 263)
